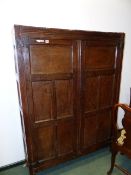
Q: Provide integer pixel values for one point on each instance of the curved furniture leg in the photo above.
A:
(113, 157)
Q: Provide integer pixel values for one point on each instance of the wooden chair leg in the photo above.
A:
(113, 157)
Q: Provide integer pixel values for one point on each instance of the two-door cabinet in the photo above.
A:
(68, 81)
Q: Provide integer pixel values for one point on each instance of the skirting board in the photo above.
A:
(12, 165)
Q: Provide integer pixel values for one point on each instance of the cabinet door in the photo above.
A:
(51, 83)
(100, 82)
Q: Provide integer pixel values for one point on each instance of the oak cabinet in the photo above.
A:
(67, 81)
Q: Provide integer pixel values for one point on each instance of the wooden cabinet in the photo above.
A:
(67, 82)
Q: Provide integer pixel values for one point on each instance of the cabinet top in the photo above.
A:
(21, 30)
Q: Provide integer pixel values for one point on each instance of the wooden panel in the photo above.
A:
(42, 98)
(90, 131)
(45, 142)
(99, 57)
(53, 61)
(66, 137)
(106, 90)
(64, 96)
(104, 125)
(46, 77)
(48, 59)
(91, 93)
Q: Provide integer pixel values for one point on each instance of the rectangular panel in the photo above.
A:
(66, 137)
(99, 57)
(104, 125)
(49, 59)
(43, 100)
(91, 93)
(106, 90)
(90, 131)
(45, 142)
(64, 96)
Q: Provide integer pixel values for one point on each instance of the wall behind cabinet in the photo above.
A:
(102, 15)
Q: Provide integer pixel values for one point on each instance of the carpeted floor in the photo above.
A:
(96, 163)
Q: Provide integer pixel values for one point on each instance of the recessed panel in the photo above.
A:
(90, 130)
(104, 126)
(91, 93)
(106, 90)
(49, 59)
(66, 137)
(45, 142)
(64, 96)
(99, 57)
(42, 99)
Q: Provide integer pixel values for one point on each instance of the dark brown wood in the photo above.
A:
(130, 98)
(68, 82)
(117, 146)
(99, 83)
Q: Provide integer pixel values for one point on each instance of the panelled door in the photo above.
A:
(51, 85)
(100, 65)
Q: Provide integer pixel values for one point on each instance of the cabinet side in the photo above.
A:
(22, 94)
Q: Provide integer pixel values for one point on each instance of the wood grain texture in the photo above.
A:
(100, 57)
(68, 81)
(48, 59)
(42, 98)
(64, 95)
(44, 143)
(99, 81)
(66, 137)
